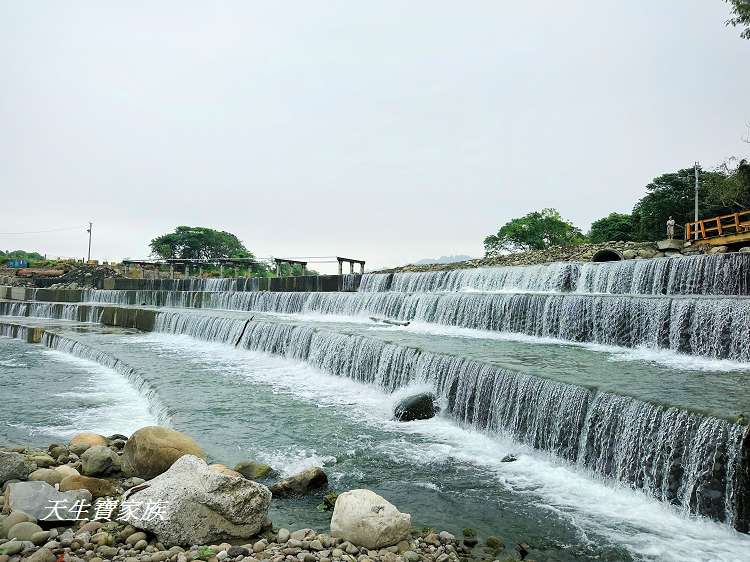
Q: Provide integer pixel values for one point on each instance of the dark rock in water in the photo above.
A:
(509, 458)
(299, 484)
(418, 407)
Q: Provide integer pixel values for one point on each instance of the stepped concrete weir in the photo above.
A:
(651, 434)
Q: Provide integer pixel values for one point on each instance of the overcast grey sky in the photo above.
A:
(385, 130)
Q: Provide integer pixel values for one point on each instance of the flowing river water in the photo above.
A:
(622, 416)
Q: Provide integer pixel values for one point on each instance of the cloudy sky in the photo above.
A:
(387, 130)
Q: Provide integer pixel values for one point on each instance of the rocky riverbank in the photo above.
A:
(153, 497)
(581, 252)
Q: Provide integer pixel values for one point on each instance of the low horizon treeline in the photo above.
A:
(723, 191)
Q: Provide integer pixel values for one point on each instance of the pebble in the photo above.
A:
(283, 535)
(236, 551)
(40, 538)
(260, 546)
(12, 547)
(140, 545)
(135, 537)
(302, 534)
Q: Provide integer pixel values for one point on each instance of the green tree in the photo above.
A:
(195, 242)
(732, 194)
(740, 16)
(672, 195)
(615, 226)
(537, 230)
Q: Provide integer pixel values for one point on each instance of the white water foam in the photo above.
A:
(112, 404)
(651, 530)
(662, 357)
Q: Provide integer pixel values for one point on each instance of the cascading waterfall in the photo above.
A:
(719, 274)
(56, 311)
(696, 462)
(83, 351)
(716, 327)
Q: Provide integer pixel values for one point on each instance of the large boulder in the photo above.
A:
(418, 407)
(99, 487)
(99, 460)
(37, 499)
(200, 505)
(14, 466)
(82, 441)
(151, 450)
(364, 518)
(47, 475)
(302, 483)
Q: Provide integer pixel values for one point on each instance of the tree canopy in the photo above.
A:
(673, 194)
(21, 255)
(740, 16)
(615, 226)
(537, 230)
(197, 242)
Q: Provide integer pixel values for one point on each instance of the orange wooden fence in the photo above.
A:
(736, 223)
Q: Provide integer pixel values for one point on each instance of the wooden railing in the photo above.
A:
(736, 223)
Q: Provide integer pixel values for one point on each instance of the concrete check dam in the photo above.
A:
(620, 387)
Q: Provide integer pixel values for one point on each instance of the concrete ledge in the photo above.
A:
(140, 319)
(29, 334)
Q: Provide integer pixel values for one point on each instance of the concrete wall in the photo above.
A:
(129, 318)
(313, 283)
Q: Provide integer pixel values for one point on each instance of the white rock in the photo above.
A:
(200, 505)
(364, 518)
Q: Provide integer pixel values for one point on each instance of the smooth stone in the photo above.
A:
(366, 519)
(42, 461)
(150, 451)
(40, 538)
(135, 537)
(90, 527)
(34, 499)
(236, 551)
(283, 535)
(48, 475)
(23, 531)
(418, 407)
(106, 551)
(42, 555)
(299, 484)
(253, 470)
(85, 440)
(14, 518)
(98, 487)
(99, 460)
(12, 547)
(66, 470)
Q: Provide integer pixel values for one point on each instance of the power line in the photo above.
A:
(40, 231)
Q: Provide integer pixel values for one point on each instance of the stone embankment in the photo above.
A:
(153, 497)
(63, 276)
(581, 252)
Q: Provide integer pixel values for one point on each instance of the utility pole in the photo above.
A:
(697, 187)
(91, 224)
